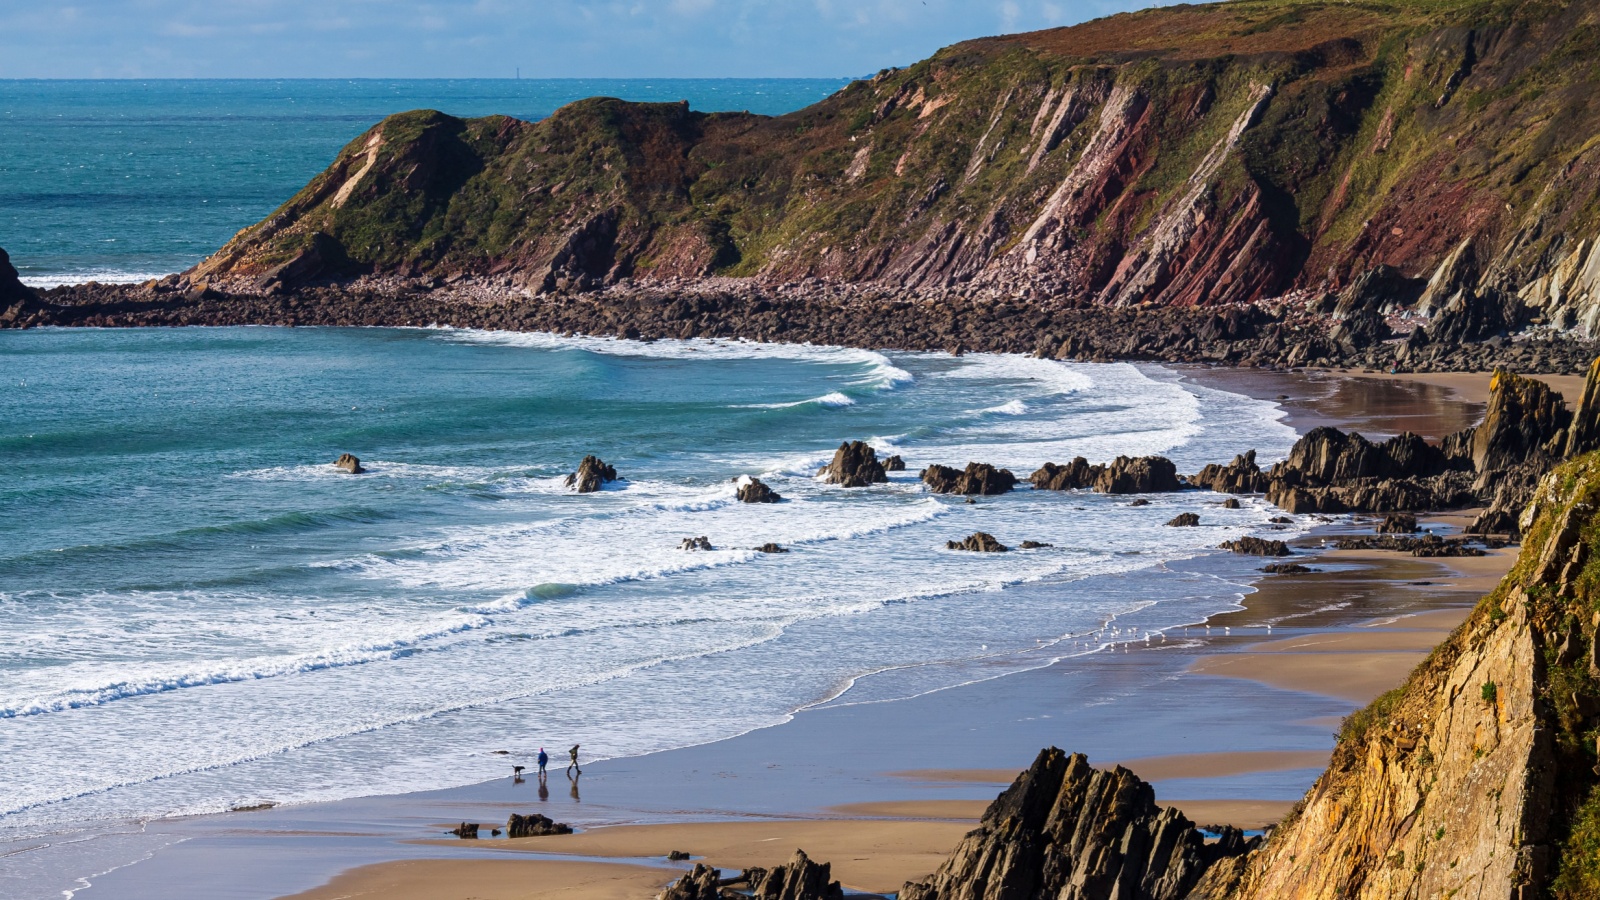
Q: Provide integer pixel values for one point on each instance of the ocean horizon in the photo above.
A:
(123, 180)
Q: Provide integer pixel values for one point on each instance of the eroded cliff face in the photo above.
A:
(1190, 155)
(1477, 778)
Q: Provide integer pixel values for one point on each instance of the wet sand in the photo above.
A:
(1216, 718)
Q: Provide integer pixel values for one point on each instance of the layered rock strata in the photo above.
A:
(1067, 831)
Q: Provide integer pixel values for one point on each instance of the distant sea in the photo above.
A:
(128, 180)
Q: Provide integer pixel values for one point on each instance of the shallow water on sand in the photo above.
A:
(202, 613)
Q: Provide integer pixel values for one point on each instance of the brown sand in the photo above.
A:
(494, 879)
(1473, 387)
(959, 810)
(866, 855)
(1216, 765)
(1249, 815)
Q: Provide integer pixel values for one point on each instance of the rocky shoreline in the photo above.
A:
(1293, 334)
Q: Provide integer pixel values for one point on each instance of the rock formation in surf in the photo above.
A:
(754, 490)
(349, 463)
(979, 479)
(1526, 429)
(1184, 520)
(1250, 545)
(855, 464)
(592, 475)
(1123, 475)
(978, 542)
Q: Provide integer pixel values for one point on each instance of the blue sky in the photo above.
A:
(491, 38)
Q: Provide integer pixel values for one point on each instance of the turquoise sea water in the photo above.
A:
(200, 612)
(124, 180)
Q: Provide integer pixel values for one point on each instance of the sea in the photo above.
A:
(199, 612)
(124, 180)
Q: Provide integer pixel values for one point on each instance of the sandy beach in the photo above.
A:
(1234, 720)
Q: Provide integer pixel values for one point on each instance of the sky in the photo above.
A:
(495, 38)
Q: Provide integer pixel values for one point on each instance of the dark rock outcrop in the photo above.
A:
(1124, 475)
(977, 479)
(798, 879)
(1066, 831)
(1184, 520)
(894, 464)
(754, 490)
(770, 547)
(534, 825)
(1033, 545)
(855, 464)
(1398, 523)
(1242, 476)
(1429, 545)
(349, 463)
(1231, 503)
(592, 475)
(696, 543)
(978, 542)
(12, 290)
(466, 830)
(1287, 569)
(1254, 546)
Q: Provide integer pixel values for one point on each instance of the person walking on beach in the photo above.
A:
(574, 764)
(544, 760)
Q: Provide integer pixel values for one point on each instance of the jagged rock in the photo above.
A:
(1287, 569)
(1523, 422)
(770, 547)
(1242, 476)
(534, 825)
(704, 883)
(592, 475)
(12, 290)
(1144, 475)
(798, 879)
(1230, 503)
(696, 543)
(855, 464)
(1250, 545)
(894, 464)
(349, 463)
(754, 490)
(466, 830)
(1033, 545)
(1073, 476)
(1066, 831)
(1184, 520)
(978, 542)
(978, 478)
(1398, 523)
(1583, 435)
(1125, 475)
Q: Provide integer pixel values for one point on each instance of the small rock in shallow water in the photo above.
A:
(1033, 545)
(696, 543)
(754, 490)
(770, 547)
(1254, 546)
(1230, 503)
(534, 825)
(677, 855)
(1288, 569)
(592, 475)
(1184, 520)
(466, 831)
(349, 463)
(894, 464)
(978, 542)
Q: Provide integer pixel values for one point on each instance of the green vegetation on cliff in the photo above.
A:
(1190, 154)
